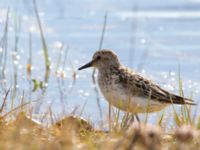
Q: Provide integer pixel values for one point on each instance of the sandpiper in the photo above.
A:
(127, 89)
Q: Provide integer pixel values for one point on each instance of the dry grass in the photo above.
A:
(73, 132)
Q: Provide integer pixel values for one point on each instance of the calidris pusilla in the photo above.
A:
(127, 89)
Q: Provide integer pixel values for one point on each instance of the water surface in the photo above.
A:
(151, 37)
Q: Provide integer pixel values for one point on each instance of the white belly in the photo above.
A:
(132, 104)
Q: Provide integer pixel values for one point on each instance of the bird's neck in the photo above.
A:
(107, 71)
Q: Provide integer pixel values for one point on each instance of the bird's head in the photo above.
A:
(103, 59)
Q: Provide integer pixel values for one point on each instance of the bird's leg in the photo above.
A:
(132, 119)
(133, 116)
(137, 118)
(126, 121)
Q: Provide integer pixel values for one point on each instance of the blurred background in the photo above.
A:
(160, 39)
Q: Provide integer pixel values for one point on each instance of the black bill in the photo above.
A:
(86, 65)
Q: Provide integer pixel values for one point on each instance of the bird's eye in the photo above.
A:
(98, 57)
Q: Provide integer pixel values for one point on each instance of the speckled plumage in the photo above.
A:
(128, 90)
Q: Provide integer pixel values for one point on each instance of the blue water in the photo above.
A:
(153, 37)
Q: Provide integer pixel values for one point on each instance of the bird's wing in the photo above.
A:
(154, 92)
(146, 88)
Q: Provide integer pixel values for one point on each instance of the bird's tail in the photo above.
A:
(189, 102)
(180, 100)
